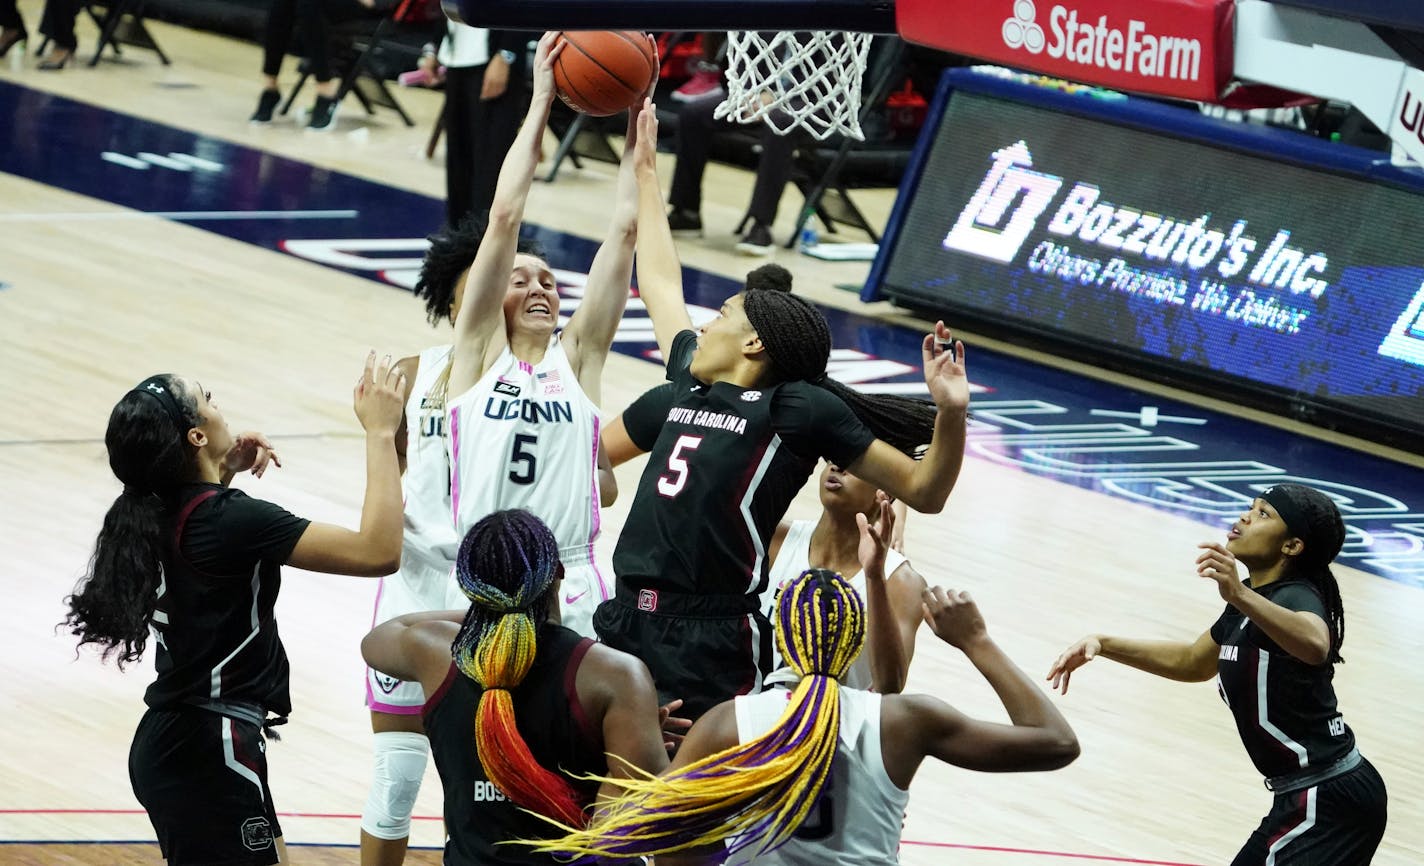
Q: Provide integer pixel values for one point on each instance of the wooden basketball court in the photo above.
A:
(98, 296)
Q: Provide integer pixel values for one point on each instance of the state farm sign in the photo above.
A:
(1179, 48)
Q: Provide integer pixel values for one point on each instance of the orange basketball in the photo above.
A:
(602, 72)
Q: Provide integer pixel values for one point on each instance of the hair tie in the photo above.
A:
(157, 388)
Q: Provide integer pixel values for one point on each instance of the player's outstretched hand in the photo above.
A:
(1218, 564)
(673, 727)
(1073, 658)
(645, 149)
(945, 374)
(875, 538)
(551, 44)
(251, 451)
(379, 398)
(953, 616)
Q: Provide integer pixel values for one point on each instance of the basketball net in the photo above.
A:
(796, 79)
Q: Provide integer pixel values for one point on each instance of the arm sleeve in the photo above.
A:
(1301, 597)
(678, 364)
(815, 423)
(644, 417)
(241, 530)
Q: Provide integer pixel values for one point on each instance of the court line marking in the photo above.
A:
(38, 842)
(99, 440)
(187, 215)
(996, 849)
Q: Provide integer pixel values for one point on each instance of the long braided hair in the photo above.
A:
(798, 342)
(1314, 518)
(507, 566)
(759, 792)
(150, 454)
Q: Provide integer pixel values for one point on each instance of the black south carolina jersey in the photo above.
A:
(214, 629)
(553, 724)
(1284, 708)
(725, 463)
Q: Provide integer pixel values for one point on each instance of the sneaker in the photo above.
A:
(701, 84)
(685, 223)
(266, 104)
(322, 114)
(757, 241)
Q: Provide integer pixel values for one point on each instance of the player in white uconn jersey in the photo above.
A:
(522, 397)
(819, 775)
(844, 541)
(505, 418)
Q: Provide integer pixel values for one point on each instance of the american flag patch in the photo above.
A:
(549, 382)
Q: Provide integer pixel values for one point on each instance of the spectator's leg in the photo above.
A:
(316, 37)
(495, 129)
(10, 16)
(276, 39)
(462, 106)
(773, 172)
(12, 26)
(695, 127)
(57, 23)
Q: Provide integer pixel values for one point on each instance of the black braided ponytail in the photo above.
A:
(798, 342)
(1322, 530)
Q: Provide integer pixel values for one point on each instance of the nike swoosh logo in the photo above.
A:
(571, 599)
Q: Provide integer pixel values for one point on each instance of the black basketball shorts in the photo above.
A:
(1339, 822)
(202, 778)
(702, 649)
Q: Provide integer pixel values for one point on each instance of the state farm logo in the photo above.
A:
(1104, 44)
(1020, 31)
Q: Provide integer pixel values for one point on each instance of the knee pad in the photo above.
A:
(400, 765)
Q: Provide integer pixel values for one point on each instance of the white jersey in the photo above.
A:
(526, 436)
(429, 543)
(858, 820)
(792, 559)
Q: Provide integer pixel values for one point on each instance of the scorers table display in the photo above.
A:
(1200, 251)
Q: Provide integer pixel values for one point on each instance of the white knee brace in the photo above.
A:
(400, 765)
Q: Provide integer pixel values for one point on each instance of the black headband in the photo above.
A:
(157, 387)
(1291, 511)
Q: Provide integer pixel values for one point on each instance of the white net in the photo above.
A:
(796, 79)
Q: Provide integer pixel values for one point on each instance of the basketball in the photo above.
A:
(603, 72)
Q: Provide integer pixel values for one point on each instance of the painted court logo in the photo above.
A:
(1006, 207)
(1405, 341)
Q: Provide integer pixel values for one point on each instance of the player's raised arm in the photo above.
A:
(1038, 738)
(589, 334)
(480, 318)
(925, 484)
(892, 603)
(1193, 662)
(659, 271)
